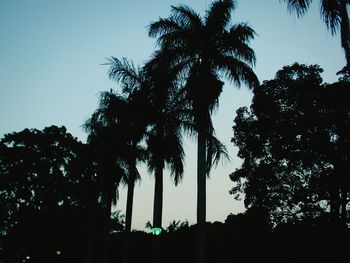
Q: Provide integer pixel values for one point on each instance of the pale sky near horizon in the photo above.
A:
(51, 74)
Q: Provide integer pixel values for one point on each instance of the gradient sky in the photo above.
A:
(51, 74)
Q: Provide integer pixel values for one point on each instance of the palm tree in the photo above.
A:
(335, 15)
(110, 167)
(206, 47)
(166, 111)
(133, 123)
(164, 137)
(116, 133)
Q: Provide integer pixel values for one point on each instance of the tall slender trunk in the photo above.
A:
(345, 31)
(106, 226)
(201, 196)
(158, 184)
(201, 178)
(157, 211)
(128, 216)
(129, 204)
(158, 196)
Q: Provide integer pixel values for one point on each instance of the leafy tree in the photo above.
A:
(337, 107)
(290, 143)
(335, 15)
(39, 171)
(206, 47)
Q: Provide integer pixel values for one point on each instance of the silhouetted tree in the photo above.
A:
(47, 180)
(116, 132)
(38, 171)
(335, 15)
(291, 142)
(206, 47)
(133, 123)
(169, 114)
(164, 108)
(335, 100)
(166, 114)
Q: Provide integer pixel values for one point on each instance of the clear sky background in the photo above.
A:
(51, 74)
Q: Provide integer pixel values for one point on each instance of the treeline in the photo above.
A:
(295, 148)
(56, 193)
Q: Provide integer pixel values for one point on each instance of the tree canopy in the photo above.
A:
(40, 171)
(294, 142)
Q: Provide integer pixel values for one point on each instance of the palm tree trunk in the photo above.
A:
(158, 197)
(201, 196)
(106, 226)
(128, 216)
(129, 204)
(157, 211)
(345, 31)
(201, 178)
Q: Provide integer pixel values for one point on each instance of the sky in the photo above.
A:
(51, 73)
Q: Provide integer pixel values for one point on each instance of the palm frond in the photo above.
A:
(175, 152)
(242, 52)
(235, 43)
(330, 13)
(237, 71)
(171, 40)
(125, 179)
(121, 172)
(178, 58)
(297, 6)
(126, 72)
(186, 16)
(218, 15)
(241, 32)
(177, 102)
(163, 26)
(216, 151)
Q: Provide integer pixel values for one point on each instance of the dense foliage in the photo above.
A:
(294, 142)
(41, 171)
(56, 193)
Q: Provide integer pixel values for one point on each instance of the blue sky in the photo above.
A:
(50, 73)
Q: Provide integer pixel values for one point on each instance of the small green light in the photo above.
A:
(28, 257)
(58, 252)
(156, 231)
